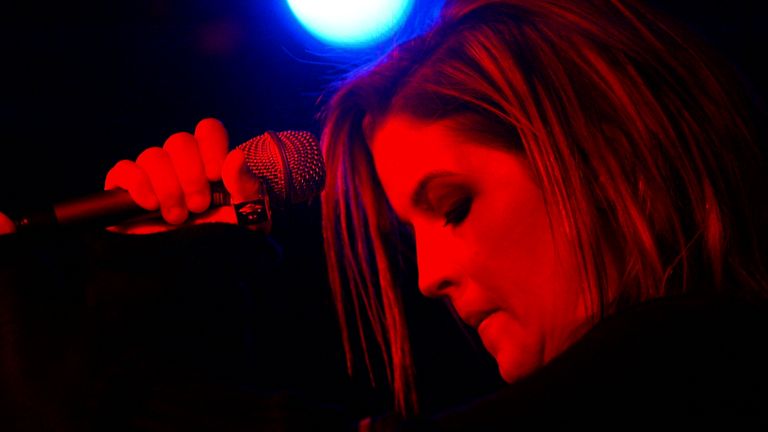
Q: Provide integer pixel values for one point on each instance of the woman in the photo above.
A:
(556, 162)
(549, 165)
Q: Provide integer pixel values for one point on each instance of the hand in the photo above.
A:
(6, 225)
(175, 179)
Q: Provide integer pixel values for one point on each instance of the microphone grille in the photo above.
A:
(289, 163)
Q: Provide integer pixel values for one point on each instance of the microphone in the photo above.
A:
(288, 163)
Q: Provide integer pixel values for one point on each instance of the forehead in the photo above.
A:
(405, 150)
(401, 145)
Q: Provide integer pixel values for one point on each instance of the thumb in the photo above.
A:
(241, 183)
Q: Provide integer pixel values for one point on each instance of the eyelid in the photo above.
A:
(425, 189)
(449, 202)
(442, 196)
(459, 211)
(439, 192)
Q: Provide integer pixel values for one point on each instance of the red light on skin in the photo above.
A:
(483, 239)
(175, 179)
(6, 225)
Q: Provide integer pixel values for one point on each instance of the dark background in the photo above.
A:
(88, 83)
(85, 85)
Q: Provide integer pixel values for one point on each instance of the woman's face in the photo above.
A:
(483, 239)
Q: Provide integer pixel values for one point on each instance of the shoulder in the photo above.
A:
(699, 348)
(702, 356)
(688, 354)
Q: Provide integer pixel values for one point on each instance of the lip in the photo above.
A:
(484, 320)
(474, 319)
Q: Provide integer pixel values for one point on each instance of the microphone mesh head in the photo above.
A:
(289, 163)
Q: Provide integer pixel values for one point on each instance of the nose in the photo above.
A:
(437, 262)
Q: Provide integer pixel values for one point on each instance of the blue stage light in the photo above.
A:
(351, 23)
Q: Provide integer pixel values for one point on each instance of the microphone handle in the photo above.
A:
(102, 208)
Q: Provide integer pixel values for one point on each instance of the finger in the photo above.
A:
(213, 142)
(188, 164)
(241, 183)
(129, 176)
(6, 225)
(158, 165)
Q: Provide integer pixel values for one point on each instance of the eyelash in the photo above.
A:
(459, 212)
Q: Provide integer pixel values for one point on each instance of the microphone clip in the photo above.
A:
(255, 214)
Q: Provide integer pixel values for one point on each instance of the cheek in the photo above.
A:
(516, 257)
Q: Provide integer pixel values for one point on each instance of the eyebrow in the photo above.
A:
(419, 197)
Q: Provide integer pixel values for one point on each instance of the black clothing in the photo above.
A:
(701, 358)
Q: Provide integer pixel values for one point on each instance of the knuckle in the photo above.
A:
(151, 155)
(121, 174)
(180, 141)
(208, 124)
(124, 165)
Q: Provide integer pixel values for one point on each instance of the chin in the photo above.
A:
(514, 366)
(512, 376)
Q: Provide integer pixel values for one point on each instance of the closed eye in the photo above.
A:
(459, 211)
